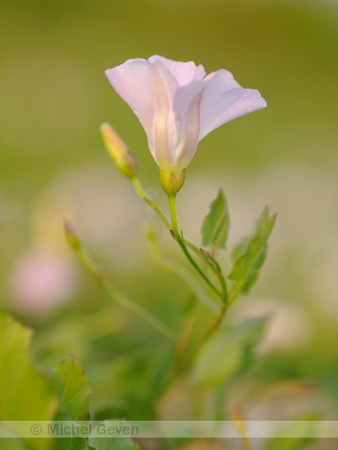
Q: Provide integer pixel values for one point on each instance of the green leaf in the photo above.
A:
(25, 394)
(216, 224)
(226, 353)
(73, 389)
(239, 249)
(111, 430)
(250, 254)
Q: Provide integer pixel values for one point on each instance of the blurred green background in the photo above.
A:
(53, 97)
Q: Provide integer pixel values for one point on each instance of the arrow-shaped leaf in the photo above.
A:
(73, 389)
(25, 394)
(251, 253)
(216, 223)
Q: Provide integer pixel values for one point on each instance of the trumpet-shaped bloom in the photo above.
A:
(178, 104)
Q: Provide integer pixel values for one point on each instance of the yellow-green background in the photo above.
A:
(53, 97)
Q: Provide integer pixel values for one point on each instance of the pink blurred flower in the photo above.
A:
(41, 280)
(178, 104)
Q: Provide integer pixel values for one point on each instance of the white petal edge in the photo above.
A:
(224, 100)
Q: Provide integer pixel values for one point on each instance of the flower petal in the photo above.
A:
(187, 115)
(171, 104)
(183, 72)
(224, 100)
(190, 132)
(163, 118)
(133, 81)
(178, 105)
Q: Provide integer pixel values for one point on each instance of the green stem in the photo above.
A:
(212, 327)
(214, 324)
(246, 443)
(152, 203)
(181, 272)
(223, 285)
(121, 299)
(241, 429)
(234, 293)
(181, 370)
(181, 242)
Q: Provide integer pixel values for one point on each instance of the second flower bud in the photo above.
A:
(124, 159)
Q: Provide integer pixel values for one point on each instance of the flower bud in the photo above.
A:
(123, 158)
(71, 235)
(171, 181)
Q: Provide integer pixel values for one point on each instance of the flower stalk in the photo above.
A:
(179, 238)
(106, 285)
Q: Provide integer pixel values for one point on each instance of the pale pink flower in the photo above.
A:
(178, 104)
(41, 280)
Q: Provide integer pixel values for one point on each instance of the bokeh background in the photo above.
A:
(53, 97)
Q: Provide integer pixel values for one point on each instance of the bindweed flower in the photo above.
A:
(41, 280)
(178, 105)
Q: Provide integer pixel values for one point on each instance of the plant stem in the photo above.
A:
(246, 443)
(182, 272)
(153, 204)
(180, 371)
(121, 299)
(181, 242)
(213, 325)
